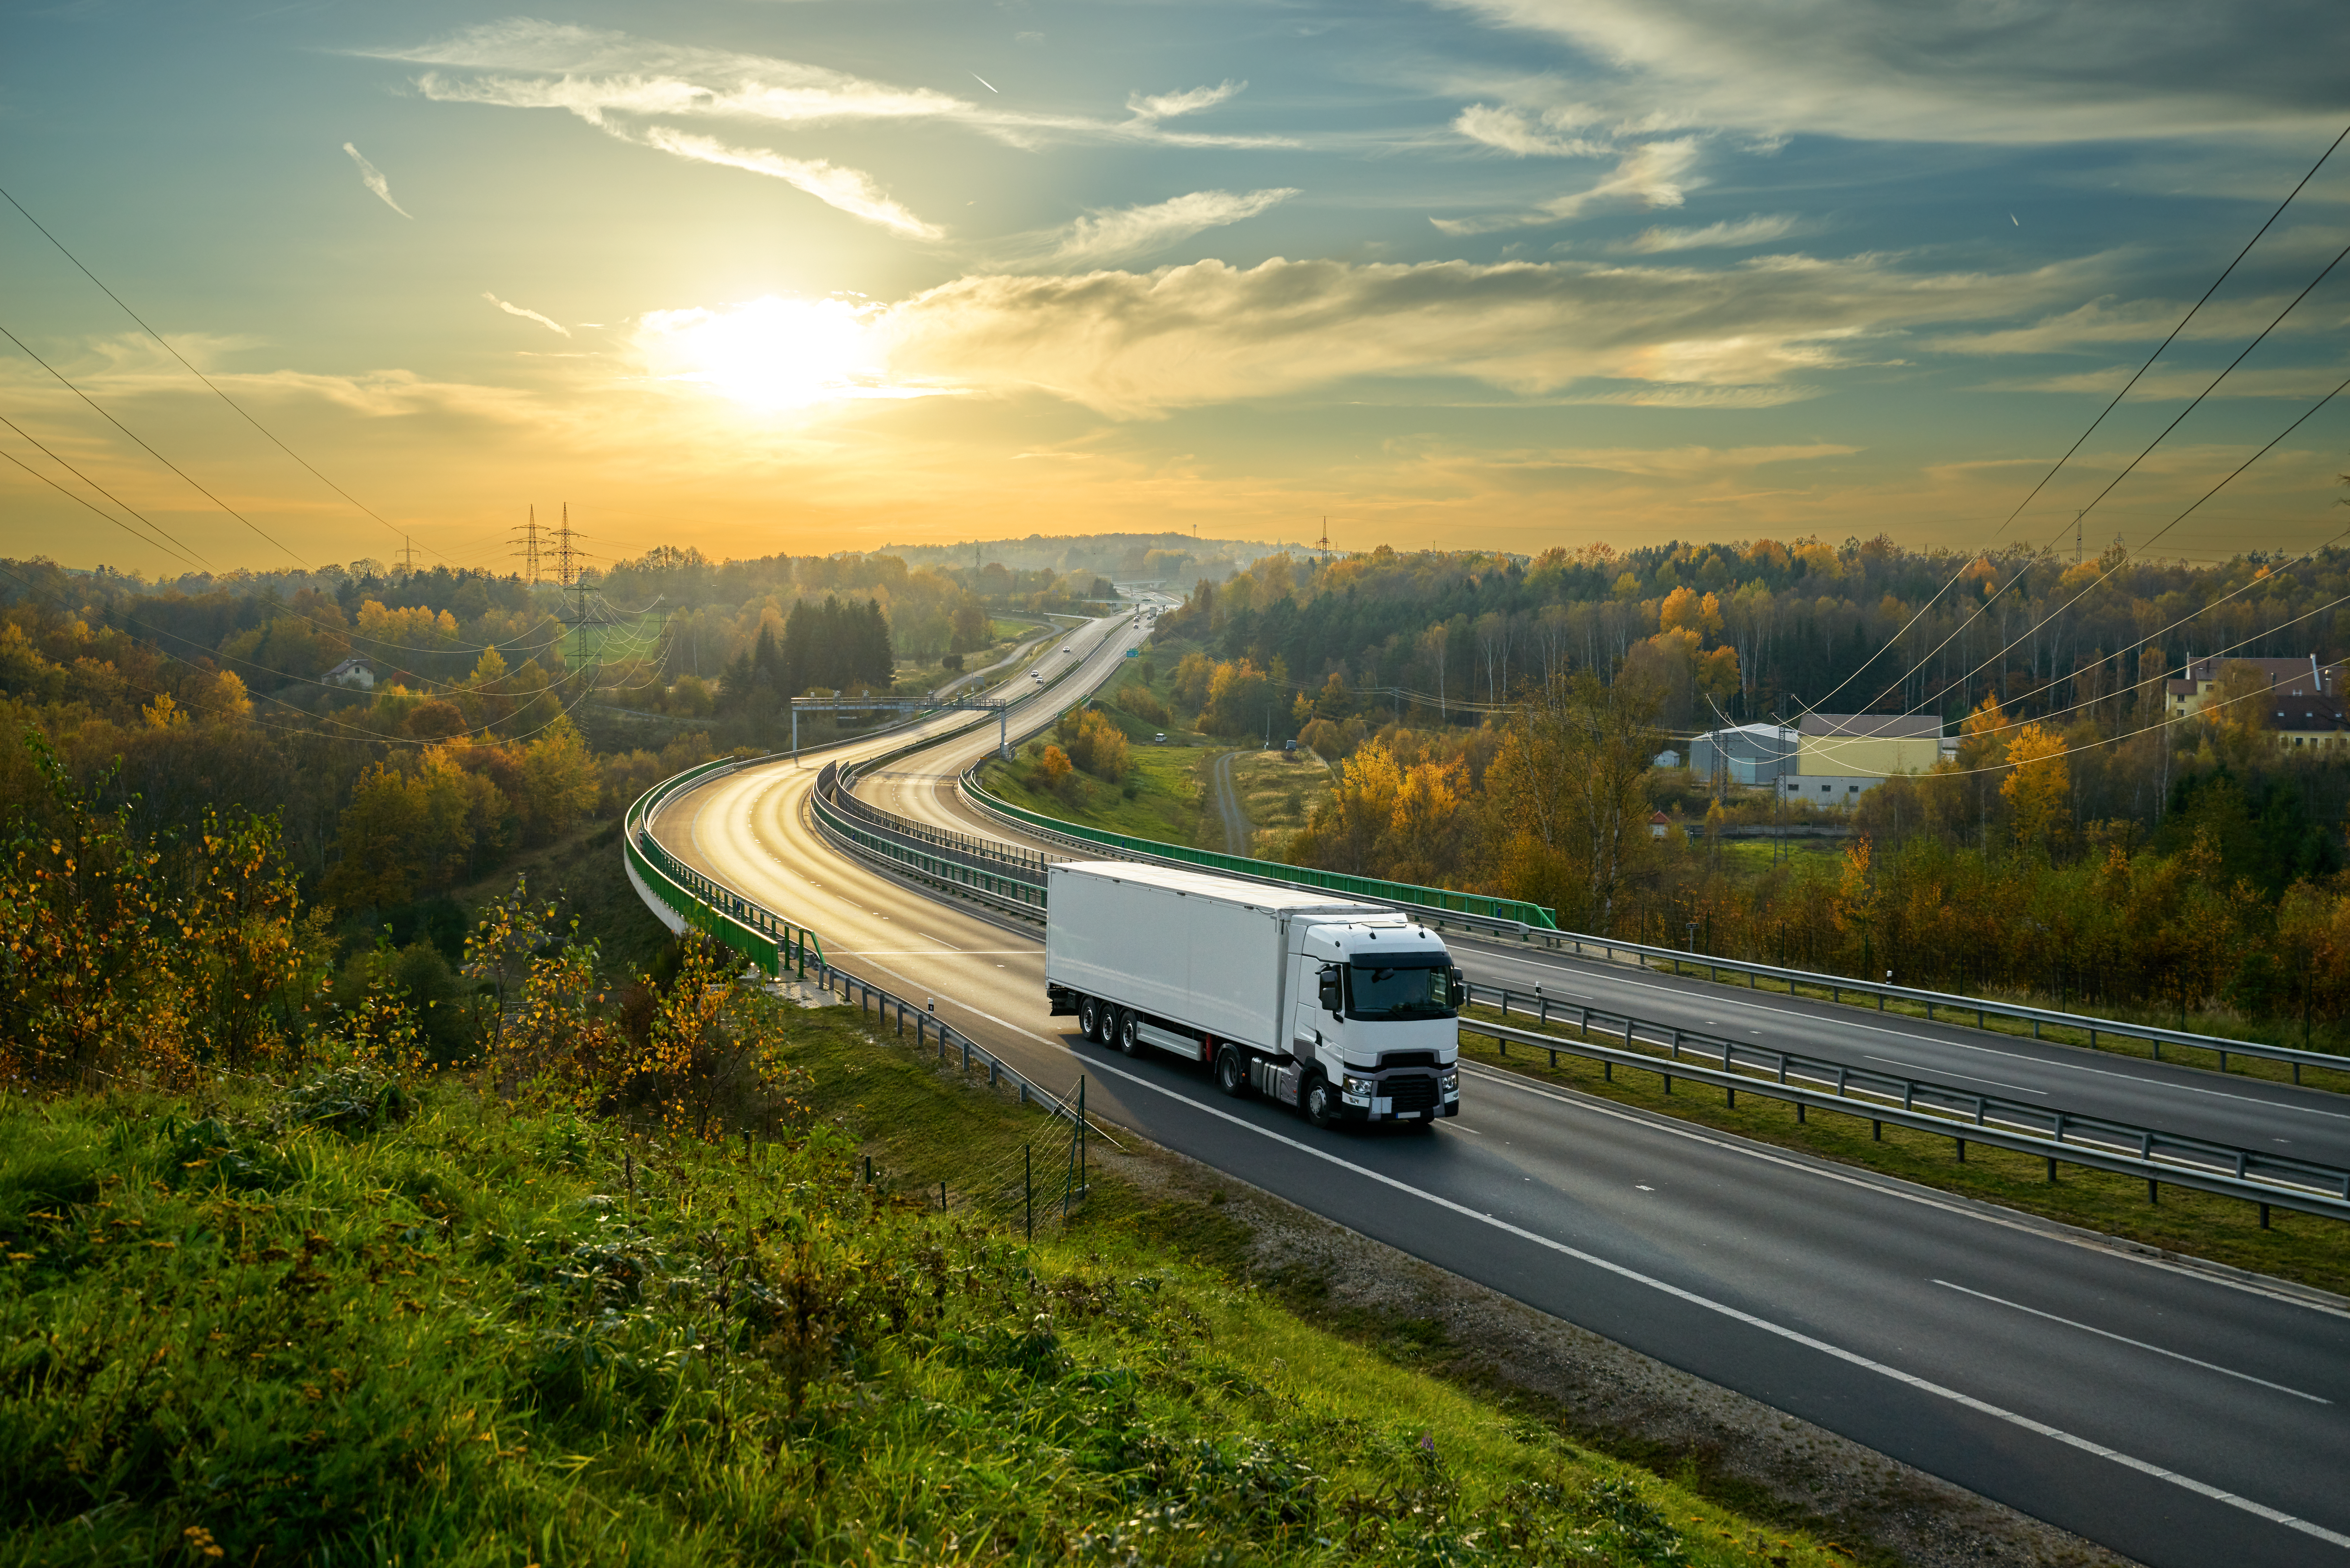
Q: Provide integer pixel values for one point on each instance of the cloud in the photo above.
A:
(511, 309)
(595, 72)
(2022, 71)
(1136, 345)
(1680, 462)
(1109, 235)
(1167, 105)
(1513, 132)
(1754, 230)
(2104, 321)
(2179, 385)
(850, 190)
(372, 178)
(1651, 173)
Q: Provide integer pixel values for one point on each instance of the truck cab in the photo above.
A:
(1375, 1014)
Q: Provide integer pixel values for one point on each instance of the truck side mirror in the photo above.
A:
(1329, 988)
(1457, 990)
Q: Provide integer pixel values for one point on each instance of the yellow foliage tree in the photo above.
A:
(2037, 788)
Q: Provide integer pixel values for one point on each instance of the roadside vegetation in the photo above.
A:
(286, 1276)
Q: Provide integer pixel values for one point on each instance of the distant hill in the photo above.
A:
(1179, 560)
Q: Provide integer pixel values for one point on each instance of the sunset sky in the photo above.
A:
(1506, 274)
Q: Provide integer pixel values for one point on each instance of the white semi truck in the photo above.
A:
(1343, 1009)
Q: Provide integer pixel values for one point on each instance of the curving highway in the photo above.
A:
(2176, 1415)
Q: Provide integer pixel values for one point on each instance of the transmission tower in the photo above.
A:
(529, 551)
(566, 570)
(1323, 544)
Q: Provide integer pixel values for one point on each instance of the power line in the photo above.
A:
(1958, 576)
(2175, 331)
(241, 411)
(174, 546)
(151, 451)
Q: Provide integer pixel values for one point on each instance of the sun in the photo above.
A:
(768, 354)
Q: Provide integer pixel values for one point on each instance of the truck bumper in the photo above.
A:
(1383, 1110)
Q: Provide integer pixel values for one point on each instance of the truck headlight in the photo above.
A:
(1362, 1085)
(1452, 1081)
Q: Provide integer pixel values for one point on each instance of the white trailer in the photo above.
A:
(1342, 1008)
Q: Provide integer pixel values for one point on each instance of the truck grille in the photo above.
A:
(1417, 1092)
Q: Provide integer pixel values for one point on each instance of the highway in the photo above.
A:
(2172, 1415)
(2246, 1112)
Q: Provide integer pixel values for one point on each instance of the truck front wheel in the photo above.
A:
(1321, 1103)
(1231, 1071)
(1089, 1018)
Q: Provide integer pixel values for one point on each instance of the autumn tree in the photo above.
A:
(2037, 788)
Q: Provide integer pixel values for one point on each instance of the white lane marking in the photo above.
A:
(1797, 1336)
(1946, 1072)
(1643, 1186)
(933, 952)
(2124, 1339)
(928, 938)
(1893, 1187)
(1789, 1015)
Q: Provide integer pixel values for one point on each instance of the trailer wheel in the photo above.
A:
(1321, 1104)
(1089, 1018)
(1130, 1033)
(1231, 1072)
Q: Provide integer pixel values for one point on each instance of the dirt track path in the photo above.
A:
(1238, 833)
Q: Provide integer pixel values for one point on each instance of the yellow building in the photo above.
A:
(1839, 756)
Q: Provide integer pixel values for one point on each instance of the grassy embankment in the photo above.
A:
(2302, 1247)
(319, 1325)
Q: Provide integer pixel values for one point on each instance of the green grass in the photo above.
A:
(1277, 790)
(1166, 805)
(273, 1325)
(2308, 1247)
(2217, 1025)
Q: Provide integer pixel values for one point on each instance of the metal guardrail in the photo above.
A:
(2255, 1176)
(1440, 906)
(1937, 1003)
(867, 830)
(764, 938)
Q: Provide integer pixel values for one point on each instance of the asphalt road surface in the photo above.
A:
(2174, 1415)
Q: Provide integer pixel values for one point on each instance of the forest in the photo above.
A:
(1496, 724)
(393, 736)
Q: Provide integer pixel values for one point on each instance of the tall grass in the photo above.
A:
(332, 1322)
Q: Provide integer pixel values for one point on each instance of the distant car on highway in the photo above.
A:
(1160, 739)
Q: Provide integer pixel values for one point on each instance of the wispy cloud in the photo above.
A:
(2026, 71)
(1653, 174)
(372, 178)
(850, 190)
(1167, 105)
(1760, 229)
(512, 309)
(1109, 235)
(1513, 132)
(1136, 345)
(594, 72)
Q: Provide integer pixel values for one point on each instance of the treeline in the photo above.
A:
(2227, 893)
(1762, 627)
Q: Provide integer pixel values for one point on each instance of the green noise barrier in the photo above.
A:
(1476, 905)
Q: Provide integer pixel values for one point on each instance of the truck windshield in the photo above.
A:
(1412, 988)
